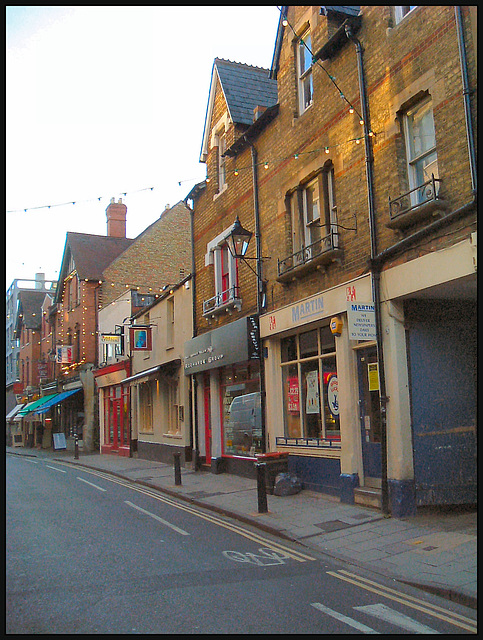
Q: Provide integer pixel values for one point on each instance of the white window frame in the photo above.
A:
(304, 72)
(213, 257)
(401, 12)
(418, 171)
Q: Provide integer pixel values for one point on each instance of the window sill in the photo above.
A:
(220, 192)
(424, 211)
(174, 436)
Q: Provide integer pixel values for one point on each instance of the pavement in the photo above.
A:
(435, 550)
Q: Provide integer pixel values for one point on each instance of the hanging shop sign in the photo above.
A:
(361, 321)
(111, 338)
(64, 354)
(140, 338)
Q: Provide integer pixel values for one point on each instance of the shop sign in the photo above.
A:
(232, 343)
(140, 338)
(333, 395)
(111, 338)
(293, 404)
(308, 309)
(64, 354)
(361, 321)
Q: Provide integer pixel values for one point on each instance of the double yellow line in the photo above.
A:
(250, 535)
(431, 609)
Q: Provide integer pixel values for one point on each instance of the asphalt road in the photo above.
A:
(90, 553)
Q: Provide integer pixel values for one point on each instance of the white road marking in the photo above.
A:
(342, 618)
(55, 468)
(91, 484)
(34, 461)
(153, 515)
(387, 614)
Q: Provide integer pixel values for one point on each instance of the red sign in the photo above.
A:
(293, 400)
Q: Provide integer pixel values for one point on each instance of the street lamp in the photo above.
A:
(238, 240)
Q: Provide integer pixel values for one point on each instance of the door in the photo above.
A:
(207, 396)
(370, 413)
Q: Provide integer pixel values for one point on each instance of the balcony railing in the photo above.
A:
(321, 252)
(222, 301)
(416, 205)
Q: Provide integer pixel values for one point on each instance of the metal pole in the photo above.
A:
(177, 468)
(261, 468)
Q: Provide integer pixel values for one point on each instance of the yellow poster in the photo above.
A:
(373, 376)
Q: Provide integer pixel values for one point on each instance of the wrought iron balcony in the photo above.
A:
(222, 301)
(420, 203)
(321, 252)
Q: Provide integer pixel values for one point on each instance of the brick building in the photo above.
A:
(357, 179)
(78, 298)
(144, 281)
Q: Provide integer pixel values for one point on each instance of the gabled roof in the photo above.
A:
(91, 254)
(29, 311)
(244, 88)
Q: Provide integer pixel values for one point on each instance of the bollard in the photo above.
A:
(76, 445)
(261, 487)
(177, 468)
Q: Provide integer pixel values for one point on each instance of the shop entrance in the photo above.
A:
(207, 398)
(370, 414)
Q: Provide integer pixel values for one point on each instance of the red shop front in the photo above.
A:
(114, 414)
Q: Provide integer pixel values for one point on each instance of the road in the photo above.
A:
(87, 552)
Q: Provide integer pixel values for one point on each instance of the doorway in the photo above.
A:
(370, 415)
(207, 413)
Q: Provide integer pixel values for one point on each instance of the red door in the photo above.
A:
(206, 387)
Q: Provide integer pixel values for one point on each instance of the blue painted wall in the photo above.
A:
(442, 365)
(317, 474)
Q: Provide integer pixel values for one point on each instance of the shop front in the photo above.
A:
(225, 366)
(114, 423)
(314, 389)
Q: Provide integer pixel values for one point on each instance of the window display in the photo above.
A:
(310, 385)
(241, 410)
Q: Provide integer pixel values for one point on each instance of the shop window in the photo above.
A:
(310, 385)
(241, 410)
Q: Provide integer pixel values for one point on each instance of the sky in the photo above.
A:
(109, 102)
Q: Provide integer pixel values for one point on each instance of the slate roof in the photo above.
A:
(91, 255)
(30, 307)
(245, 87)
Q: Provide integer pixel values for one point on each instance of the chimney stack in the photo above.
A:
(39, 280)
(116, 219)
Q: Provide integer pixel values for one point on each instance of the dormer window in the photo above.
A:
(304, 71)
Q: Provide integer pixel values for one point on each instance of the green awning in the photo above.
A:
(31, 406)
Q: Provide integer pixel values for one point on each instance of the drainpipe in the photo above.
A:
(260, 285)
(193, 387)
(466, 96)
(375, 271)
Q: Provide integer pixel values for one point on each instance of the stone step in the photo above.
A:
(368, 497)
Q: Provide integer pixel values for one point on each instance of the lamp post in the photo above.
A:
(238, 241)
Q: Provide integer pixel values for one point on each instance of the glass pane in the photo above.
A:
(291, 401)
(327, 340)
(311, 399)
(289, 349)
(304, 53)
(421, 128)
(331, 397)
(242, 419)
(308, 344)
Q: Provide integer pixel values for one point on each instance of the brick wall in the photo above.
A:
(419, 53)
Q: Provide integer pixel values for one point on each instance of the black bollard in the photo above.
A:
(261, 487)
(177, 468)
(76, 445)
